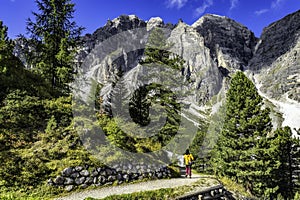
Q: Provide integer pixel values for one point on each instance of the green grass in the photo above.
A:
(235, 187)
(148, 195)
(39, 193)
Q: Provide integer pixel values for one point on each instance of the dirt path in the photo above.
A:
(130, 188)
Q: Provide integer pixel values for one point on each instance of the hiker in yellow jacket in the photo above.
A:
(188, 159)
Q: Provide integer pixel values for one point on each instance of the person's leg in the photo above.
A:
(186, 170)
(190, 171)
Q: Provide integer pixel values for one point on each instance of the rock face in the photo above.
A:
(213, 48)
(200, 68)
(154, 22)
(112, 27)
(231, 44)
(276, 58)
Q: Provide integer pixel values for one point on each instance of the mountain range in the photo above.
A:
(213, 48)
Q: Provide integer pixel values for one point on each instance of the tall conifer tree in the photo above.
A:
(243, 148)
(54, 38)
(286, 150)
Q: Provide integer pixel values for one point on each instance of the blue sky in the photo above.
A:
(92, 14)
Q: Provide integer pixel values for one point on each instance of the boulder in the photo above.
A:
(69, 188)
(69, 181)
(74, 175)
(85, 173)
(78, 168)
(59, 180)
(80, 181)
(89, 180)
(67, 171)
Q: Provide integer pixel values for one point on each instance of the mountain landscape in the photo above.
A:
(214, 47)
(123, 104)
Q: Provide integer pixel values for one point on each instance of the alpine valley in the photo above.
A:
(144, 92)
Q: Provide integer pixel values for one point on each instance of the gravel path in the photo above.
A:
(130, 188)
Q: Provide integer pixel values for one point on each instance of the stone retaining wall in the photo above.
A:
(83, 177)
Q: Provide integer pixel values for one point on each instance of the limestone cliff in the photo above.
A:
(213, 48)
(276, 58)
(276, 67)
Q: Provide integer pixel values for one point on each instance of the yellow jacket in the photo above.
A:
(188, 158)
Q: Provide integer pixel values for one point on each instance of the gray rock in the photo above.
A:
(120, 177)
(89, 180)
(84, 186)
(80, 181)
(67, 171)
(154, 22)
(130, 166)
(69, 188)
(151, 174)
(95, 180)
(99, 169)
(102, 179)
(159, 175)
(94, 173)
(69, 181)
(119, 170)
(59, 180)
(224, 36)
(145, 175)
(109, 183)
(123, 168)
(75, 175)
(126, 177)
(111, 178)
(112, 27)
(78, 168)
(276, 59)
(85, 173)
(109, 172)
(103, 173)
(135, 176)
(114, 172)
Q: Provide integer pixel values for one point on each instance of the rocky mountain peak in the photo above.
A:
(154, 22)
(126, 22)
(224, 36)
(276, 40)
(276, 58)
(207, 17)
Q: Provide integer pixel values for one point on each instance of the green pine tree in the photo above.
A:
(243, 147)
(5, 55)
(13, 75)
(6, 46)
(54, 38)
(139, 106)
(286, 153)
(157, 51)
